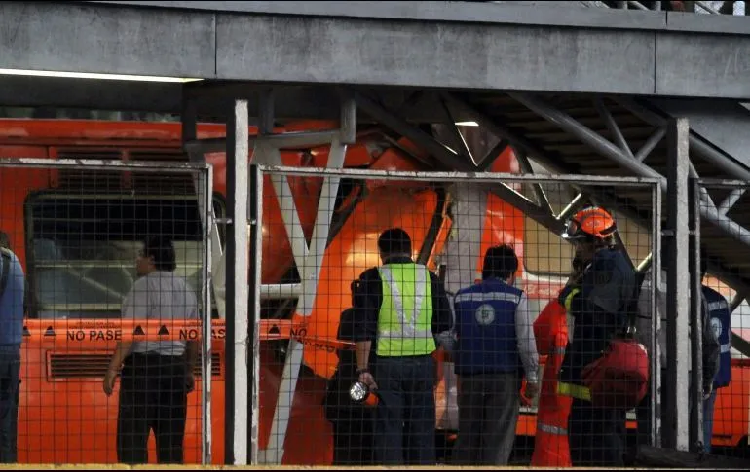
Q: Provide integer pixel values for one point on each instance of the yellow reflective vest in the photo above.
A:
(405, 318)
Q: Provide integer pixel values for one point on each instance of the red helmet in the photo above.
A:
(591, 222)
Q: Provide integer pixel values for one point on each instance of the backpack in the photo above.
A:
(619, 379)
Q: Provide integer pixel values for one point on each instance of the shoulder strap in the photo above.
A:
(633, 305)
(6, 261)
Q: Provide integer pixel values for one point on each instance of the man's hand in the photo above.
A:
(707, 392)
(532, 389)
(367, 379)
(189, 381)
(108, 384)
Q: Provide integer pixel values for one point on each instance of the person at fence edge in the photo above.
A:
(156, 376)
(352, 423)
(597, 297)
(710, 348)
(493, 330)
(551, 445)
(717, 360)
(11, 328)
(401, 307)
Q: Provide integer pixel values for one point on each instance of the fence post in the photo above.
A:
(676, 426)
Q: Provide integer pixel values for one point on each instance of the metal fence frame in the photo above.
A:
(203, 181)
(257, 172)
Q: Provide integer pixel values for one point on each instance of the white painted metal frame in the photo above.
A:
(274, 453)
(308, 259)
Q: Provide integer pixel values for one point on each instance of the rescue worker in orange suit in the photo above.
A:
(400, 309)
(598, 298)
(551, 447)
(495, 338)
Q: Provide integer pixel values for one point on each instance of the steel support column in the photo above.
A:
(676, 428)
(696, 321)
(236, 393)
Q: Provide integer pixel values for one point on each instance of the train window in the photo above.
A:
(83, 248)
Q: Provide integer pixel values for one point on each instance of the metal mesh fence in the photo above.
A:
(106, 294)
(406, 309)
(725, 337)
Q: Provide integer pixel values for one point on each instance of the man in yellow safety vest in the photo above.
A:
(400, 308)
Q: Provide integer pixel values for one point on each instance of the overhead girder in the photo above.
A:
(609, 150)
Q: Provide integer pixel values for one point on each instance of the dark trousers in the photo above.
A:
(352, 438)
(10, 365)
(153, 395)
(596, 435)
(488, 408)
(643, 417)
(405, 415)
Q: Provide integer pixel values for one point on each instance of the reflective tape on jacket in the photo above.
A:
(569, 298)
(548, 428)
(488, 297)
(574, 390)
(405, 318)
(557, 350)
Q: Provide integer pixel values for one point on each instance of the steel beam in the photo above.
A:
(650, 144)
(676, 430)
(255, 211)
(696, 320)
(447, 157)
(236, 393)
(611, 151)
(701, 148)
(614, 128)
(729, 202)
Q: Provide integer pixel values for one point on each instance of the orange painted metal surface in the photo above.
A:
(70, 420)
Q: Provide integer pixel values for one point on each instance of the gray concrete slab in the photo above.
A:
(551, 13)
(509, 57)
(92, 38)
(456, 45)
(690, 64)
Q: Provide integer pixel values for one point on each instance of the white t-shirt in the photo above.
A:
(160, 296)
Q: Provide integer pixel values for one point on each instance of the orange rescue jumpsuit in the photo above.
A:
(551, 443)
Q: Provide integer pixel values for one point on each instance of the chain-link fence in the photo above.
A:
(104, 289)
(722, 368)
(414, 300)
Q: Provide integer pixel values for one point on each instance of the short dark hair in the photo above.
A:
(4, 240)
(162, 250)
(394, 241)
(500, 262)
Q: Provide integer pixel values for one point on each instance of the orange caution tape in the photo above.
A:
(116, 330)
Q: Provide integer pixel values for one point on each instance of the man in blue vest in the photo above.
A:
(718, 315)
(400, 308)
(494, 331)
(11, 327)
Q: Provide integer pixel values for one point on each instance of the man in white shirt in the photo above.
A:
(156, 376)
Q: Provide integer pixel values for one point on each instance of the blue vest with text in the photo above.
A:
(486, 327)
(720, 318)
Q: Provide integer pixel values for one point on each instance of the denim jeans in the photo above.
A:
(708, 421)
(405, 415)
(10, 366)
